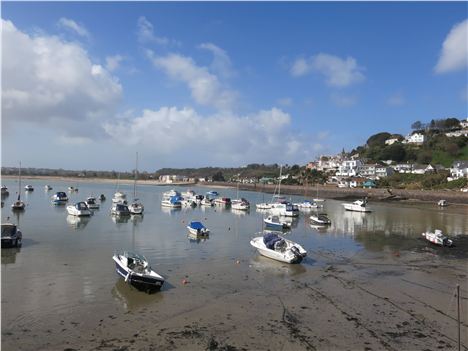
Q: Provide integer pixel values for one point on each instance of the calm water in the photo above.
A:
(66, 261)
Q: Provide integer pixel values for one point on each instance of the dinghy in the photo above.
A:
(320, 218)
(197, 228)
(437, 238)
(276, 222)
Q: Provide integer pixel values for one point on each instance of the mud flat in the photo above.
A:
(383, 301)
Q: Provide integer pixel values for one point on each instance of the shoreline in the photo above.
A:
(324, 191)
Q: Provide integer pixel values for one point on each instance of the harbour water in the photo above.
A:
(64, 268)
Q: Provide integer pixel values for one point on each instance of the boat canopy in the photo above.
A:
(269, 239)
(196, 225)
(8, 230)
(60, 194)
(121, 207)
(175, 199)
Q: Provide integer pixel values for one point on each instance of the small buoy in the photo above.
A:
(229, 228)
(184, 281)
(237, 262)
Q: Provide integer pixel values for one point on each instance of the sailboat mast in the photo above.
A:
(279, 185)
(19, 182)
(136, 170)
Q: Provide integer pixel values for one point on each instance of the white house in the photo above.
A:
(416, 138)
(384, 171)
(403, 167)
(459, 170)
(391, 141)
(368, 170)
(349, 168)
(419, 169)
(457, 133)
(464, 123)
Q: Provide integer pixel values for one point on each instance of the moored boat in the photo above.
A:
(197, 228)
(136, 207)
(357, 206)
(222, 201)
(240, 204)
(79, 209)
(119, 197)
(5, 190)
(120, 209)
(276, 247)
(11, 235)
(59, 198)
(437, 238)
(29, 187)
(47, 187)
(286, 209)
(442, 203)
(276, 222)
(320, 218)
(92, 203)
(136, 271)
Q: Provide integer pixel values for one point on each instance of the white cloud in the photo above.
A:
(146, 33)
(286, 101)
(71, 25)
(221, 62)
(343, 100)
(454, 54)
(338, 72)
(113, 62)
(221, 138)
(396, 100)
(205, 87)
(49, 81)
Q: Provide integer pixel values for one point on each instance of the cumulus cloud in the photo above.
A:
(50, 81)
(72, 26)
(221, 62)
(146, 33)
(454, 54)
(338, 72)
(222, 137)
(205, 87)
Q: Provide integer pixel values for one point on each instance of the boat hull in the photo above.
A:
(356, 208)
(144, 283)
(276, 255)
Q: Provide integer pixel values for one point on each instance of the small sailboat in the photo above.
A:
(437, 238)
(136, 271)
(276, 247)
(197, 228)
(276, 222)
(18, 205)
(136, 207)
(119, 197)
(79, 209)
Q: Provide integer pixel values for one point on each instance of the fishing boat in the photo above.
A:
(276, 222)
(136, 207)
(92, 203)
(11, 235)
(29, 187)
(120, 209)
(18, 205)
(320, 219)
(276, 247)
(136, 271)
(79, 209)
(197, 228)
(5, 190)
(47, 187)
(357, 206)
(437, 238)
(59, 198)
(442, 203)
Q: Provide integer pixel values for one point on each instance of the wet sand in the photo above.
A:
(383, 301)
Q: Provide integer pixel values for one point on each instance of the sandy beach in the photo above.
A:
(386, 301)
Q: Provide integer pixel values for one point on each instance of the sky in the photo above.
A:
(86, 85)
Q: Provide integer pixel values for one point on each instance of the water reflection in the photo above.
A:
(77, 223)
(272, 267)
(9, 255)
(120, 219)
(240, 213)
(197, 238)
(170, 210)
(131, 299)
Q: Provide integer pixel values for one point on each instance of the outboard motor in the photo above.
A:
(296, 253)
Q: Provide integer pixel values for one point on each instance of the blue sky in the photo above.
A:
(85, 85)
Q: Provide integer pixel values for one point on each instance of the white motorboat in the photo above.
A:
(11, 235)
(18, 205)
(188, 202)
(136, 271)
(188, 194)
(437, 238)
(79, 209)
(276, 222)
(263, 206)
(357, 206)
(171, 201)
(222, 201)
(240, 204)
(308, 205)
(47, 187)
(276, 247)
(120, 209)
(92, 203)
(285, 209)
(206, 202)
(29, 188)
(197, 228)
(320, 219)
(136, 207)
(5, 190)
(442, 203)
(59, 198)
(70, 188)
